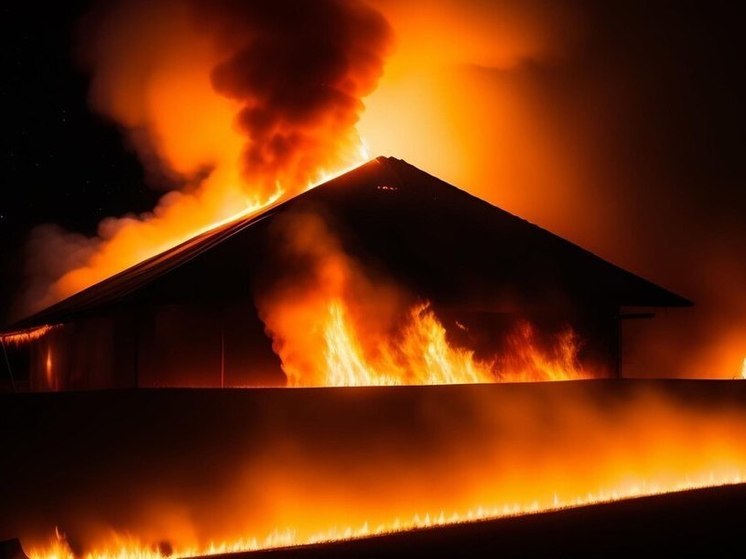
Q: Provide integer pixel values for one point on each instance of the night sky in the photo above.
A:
(61, 162)
(681, 153)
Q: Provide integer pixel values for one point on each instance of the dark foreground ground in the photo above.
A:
(700, 523)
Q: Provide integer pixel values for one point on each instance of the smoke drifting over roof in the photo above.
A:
(299, 70)
(234, 104)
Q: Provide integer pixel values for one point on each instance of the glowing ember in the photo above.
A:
(336, 324)
(26, 336)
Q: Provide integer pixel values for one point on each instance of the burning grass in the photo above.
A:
(272, 468)
(131, 548)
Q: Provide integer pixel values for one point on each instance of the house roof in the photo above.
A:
(433, 237)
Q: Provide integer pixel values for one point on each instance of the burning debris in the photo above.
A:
(243, 276)
(28, 335)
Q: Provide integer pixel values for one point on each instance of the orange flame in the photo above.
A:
(204, 109)
(423, 355)
(641, 445)
(341, 326)
(25, 336)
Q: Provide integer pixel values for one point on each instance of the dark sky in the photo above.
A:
(61, 163)
(681, 153)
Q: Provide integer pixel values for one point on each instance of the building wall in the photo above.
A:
(209, 346)
(182, 345)
(94, 353)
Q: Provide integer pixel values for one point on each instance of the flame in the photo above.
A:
(743, 369)
(423, 355)
(25, 336)
(642, 444)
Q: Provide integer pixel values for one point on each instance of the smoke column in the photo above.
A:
(230, 105)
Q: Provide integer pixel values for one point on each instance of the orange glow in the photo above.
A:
(423, 355)
(49, 370)
(489, 134)
(500, 460)
(26, 336)
(336, 324)
(519, 115)
(342, 325)
(504, 134)
(162, 90)
(743, 369)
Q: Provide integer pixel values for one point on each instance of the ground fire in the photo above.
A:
(257, 469)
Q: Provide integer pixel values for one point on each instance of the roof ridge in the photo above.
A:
(417, 182)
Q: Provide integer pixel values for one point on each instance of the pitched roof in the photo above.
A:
(439, 240)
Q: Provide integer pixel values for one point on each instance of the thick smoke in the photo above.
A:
(299, 70)
(230, 104)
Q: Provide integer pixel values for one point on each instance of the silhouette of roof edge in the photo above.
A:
(675, 299)
(141, 274)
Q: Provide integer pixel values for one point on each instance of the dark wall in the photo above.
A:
(174, 345)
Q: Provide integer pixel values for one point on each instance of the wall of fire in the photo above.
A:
(214, 346)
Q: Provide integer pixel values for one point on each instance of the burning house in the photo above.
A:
(255, 269)
(266, 299)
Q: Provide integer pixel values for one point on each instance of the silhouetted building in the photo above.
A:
(187, 317)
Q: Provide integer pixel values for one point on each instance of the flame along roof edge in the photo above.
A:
(141, 274)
